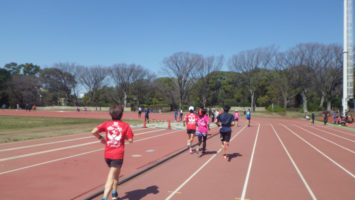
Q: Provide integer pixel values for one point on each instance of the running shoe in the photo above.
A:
(225, 156)
(191, 151)
(197, 149)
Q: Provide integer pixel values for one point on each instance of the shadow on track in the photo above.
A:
(233, 155)
(140, 193)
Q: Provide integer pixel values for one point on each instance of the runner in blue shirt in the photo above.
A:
(248, 115)
(225, 120)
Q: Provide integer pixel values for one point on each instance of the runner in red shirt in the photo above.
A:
(117, 132)
(190, 121)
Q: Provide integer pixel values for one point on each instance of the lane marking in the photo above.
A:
(48, 143)
(295, 165)
(56, 142)
(47, 162)
(59, 159)
(47, 151)
(200, 168)
(250, 165)
(172, 191)
(319, 151)
(59, 149)
(351, 151)
(333, 134)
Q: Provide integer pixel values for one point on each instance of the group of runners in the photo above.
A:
(201, 121)
(117, 132)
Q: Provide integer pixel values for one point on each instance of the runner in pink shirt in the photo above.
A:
(202, 130)
(236, 116)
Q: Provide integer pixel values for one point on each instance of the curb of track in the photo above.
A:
(96, 194)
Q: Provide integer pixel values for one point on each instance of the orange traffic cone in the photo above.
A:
(144, 124)
(169, 126)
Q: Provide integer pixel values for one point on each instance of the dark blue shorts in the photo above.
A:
(114, 162)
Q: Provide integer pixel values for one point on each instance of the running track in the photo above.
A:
(272, 159)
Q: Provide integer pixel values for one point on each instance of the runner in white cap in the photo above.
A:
(191, 121)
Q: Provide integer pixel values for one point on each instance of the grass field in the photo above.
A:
(15, 128)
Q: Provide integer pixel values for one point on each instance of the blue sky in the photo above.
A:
(144, 32)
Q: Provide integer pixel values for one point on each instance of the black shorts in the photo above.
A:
(190, 131)
(225, 136)
(114, 162)
(235, 119)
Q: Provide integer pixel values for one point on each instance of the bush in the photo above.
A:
(277, 108)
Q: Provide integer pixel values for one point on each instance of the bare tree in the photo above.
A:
(59, 83)
(206, 67)
(92, 78)
(23, 90)
(328, 74)
(124, 75)
(248, 62)
(74, 70)
(182, 66)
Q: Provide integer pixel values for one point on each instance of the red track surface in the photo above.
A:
(272, 159)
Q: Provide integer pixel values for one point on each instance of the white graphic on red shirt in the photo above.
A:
(191, 119)
(114, 135)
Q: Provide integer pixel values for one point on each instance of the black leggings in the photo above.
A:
(203, 140)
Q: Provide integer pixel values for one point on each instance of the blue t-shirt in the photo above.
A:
(226, 120)
(248, 114)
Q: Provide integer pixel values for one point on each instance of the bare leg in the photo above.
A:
(112, 180)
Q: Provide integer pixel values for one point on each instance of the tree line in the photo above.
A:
(305, 77)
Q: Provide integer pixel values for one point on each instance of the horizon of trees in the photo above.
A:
(306, 77)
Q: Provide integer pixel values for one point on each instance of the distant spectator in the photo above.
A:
(313, 117)
(146, 117)
(181, 114)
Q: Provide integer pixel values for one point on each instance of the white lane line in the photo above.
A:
(42, 144)
(47, 162)
(59, 159)
(47, 151)
(200, 168)
(333, 134)
(319, 151)
(337, 130)
(249, 167)
(294, 165)
(69, 140)
(351, 151)
(53, 150)
(56, 137)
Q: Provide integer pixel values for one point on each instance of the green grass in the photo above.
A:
(16, 128)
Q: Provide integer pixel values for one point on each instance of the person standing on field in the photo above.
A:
(116, 133)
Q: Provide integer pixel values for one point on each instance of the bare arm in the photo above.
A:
(96, 133)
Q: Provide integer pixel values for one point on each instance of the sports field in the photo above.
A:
(275, 158)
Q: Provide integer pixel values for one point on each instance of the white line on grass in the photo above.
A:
(199, 169)
(351, 151)
(295, 166)
(250, 165)
(319, 151)
(59, 159)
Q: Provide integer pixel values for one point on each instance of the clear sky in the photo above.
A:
(144, 32)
